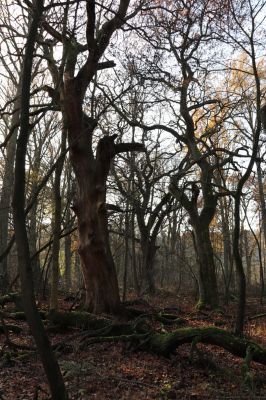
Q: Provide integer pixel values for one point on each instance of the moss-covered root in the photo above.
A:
(94, 324)
(166, 343)
(78, 319)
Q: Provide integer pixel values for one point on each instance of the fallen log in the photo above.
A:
(78, 319)
(165, 344)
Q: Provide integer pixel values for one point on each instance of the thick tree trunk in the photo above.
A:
(102, 293)
(149, 251)
(208, 284)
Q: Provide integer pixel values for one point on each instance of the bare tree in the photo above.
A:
(27, 287)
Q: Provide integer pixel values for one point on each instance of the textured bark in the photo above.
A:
(102, 293)
(208, 284)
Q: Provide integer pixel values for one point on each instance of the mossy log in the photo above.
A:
(90, 322)
(78, 319)
(165, 344)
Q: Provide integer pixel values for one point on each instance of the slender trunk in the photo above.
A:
(35, 263)
(134, 258)
(248, 257)
(68, 263)
(50, 364)
(57, 226)
(262, 198)
(69, 225)
(240, 317)
(6, 194)
(126, 253)
(227, 248)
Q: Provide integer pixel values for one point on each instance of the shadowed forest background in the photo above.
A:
(132, 199)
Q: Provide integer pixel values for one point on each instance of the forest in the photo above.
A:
(132, 199)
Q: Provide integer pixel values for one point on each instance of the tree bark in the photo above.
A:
(102, 293)
(208, 284)
(50, 364)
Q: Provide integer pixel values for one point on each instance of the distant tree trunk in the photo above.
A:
(239, 325)
(126, 256)
(50, 364)
(33, 234)
(208, 292)
(57, 226)
(133, 256)
(68, 262)
(149, 248)
(35, 263)
(248, 257)
(6, 193)
(261, 197)
(68, 238)
(227, 254)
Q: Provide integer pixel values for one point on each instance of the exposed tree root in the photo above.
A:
(139, 335)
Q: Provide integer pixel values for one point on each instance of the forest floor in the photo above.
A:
(113, 371)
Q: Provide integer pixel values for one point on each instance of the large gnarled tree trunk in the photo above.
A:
(91, 172)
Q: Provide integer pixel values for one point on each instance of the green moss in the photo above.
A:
(79, 319)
